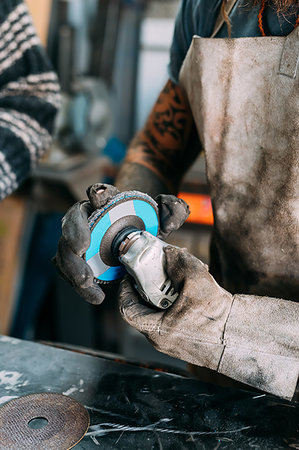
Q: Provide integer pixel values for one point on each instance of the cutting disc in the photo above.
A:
(126, 209)
(42, 422)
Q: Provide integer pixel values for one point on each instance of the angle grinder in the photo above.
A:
(124, 238)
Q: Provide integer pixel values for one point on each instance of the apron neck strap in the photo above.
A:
(228, 6)
(290, 55)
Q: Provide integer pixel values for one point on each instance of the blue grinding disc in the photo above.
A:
(130, 208)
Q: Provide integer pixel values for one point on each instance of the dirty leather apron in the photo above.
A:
(245, 102)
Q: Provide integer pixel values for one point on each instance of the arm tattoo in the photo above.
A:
(139, 177)
(161, 145)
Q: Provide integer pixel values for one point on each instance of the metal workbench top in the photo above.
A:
(137, 408)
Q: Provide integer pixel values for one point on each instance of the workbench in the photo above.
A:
(132, 407)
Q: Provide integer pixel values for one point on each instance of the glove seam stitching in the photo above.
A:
(167, 329)
(223, 334)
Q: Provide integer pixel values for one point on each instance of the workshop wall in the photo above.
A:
(40, 12)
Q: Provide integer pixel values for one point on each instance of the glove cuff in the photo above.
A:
(261, 344)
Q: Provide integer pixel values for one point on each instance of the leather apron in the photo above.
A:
(244, 97)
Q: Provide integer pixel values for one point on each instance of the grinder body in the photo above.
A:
(142, 255)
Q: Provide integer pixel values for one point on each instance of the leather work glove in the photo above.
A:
(75, 238)
(251, 339)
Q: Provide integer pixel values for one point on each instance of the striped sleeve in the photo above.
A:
(29, 96)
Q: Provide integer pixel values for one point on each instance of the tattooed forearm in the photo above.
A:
(161, 146)
(139, 177)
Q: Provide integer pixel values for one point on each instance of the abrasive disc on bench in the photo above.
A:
(42, 422)
(126, 209)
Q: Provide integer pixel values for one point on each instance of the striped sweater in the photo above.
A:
(29, 96)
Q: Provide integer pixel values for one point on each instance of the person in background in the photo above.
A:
(29, 96)
(237, 98)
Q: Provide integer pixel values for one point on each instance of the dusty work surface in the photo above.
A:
(137, 408)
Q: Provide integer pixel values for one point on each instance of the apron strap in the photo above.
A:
(229, 4)
(290, 55)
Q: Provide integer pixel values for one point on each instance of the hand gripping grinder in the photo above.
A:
(124, 237)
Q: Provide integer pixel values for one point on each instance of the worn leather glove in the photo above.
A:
(251, 339)
(75, 238)
(192, 329)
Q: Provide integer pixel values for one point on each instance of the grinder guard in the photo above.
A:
(144, 258)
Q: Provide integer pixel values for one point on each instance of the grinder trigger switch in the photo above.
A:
(124, 237)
